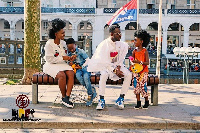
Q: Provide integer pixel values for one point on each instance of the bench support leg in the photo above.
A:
(154, 95)
(34, 93)
(152, 89)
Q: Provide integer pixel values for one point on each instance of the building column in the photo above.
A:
(122, 28)
(74, 32)
(164, 42)
(12, 30)
(186, 37)
(98, 31)
(123, 35)
(97, 38)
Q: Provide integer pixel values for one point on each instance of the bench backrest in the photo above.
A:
(42, 78)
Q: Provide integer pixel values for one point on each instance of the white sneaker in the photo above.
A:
(120, 103)
(101, 104)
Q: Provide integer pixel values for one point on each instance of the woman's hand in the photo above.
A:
(70, 63)
(78, 67)
(66, 57)
(73, 57)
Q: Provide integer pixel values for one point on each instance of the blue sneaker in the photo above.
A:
(120, 103)
(91, 97)
(101, 104)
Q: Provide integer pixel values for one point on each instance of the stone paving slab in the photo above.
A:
(95, 130)
(179, 108)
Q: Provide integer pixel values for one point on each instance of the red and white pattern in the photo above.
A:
(141, 80)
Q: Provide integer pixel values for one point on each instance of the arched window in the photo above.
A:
(6, 25)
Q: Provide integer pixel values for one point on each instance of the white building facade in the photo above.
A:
(180, 21)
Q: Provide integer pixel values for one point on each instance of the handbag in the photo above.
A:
(135, 67)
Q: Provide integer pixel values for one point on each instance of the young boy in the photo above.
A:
(78, 57)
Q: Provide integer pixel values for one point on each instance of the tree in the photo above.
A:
(31, 39)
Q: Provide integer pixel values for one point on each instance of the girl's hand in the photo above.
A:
(135, 61)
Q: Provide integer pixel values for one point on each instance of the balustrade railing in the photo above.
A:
(183, 11)
(11, 10)
(68, 10)
(141, 11)
(20, 10)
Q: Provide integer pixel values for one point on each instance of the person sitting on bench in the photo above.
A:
(108, 59)
(78, 58)
(56, 57)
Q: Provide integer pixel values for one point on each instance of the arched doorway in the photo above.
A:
(175, 37)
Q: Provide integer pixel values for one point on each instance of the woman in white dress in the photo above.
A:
(56, 60)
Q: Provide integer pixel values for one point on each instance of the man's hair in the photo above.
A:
(143, 35)
(70, 41)
(55, 26)
(113, 27)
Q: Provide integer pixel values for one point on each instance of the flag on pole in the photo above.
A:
(126, 13)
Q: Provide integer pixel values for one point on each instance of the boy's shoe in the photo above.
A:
(146, 105)
(91, 97)
(120, 103)
(101, 104)
(138, 106)
(67, 103)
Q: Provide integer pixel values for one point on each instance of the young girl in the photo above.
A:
(141, 56)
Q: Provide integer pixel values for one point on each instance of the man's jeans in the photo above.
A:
(83, 77)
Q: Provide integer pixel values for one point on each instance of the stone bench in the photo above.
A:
(41, 78)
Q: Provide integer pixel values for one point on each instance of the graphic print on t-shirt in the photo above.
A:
(113, 56)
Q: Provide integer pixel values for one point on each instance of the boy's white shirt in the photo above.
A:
(101, 61)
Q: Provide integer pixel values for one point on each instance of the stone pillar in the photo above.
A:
(98, 32)
(12, 30)
(97, 38)
(74, 32)
(186, 37)
(122, 28)
(164, 42)
(123, 35)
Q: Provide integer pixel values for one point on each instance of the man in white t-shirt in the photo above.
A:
(108, 60)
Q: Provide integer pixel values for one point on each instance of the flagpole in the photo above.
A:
(159, 40)
(137, 14)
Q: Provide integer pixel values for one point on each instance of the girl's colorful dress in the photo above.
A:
(140, 79)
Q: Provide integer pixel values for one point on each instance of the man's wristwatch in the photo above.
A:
(141, 63)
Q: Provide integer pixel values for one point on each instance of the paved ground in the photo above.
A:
(178, 109)
(95, 131)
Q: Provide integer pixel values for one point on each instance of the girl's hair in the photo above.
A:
(143, 35)
(55, 26)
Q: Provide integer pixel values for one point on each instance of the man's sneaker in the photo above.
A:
(67, 103)
(91, 98)
(101, 104)
(120, 103)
